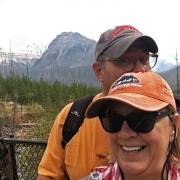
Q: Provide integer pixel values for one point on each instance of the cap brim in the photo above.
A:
(137, 101)
(120, 45)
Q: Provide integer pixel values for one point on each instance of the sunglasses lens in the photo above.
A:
(111, 123)
(141, 122)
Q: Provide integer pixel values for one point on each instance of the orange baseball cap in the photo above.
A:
(145, 91)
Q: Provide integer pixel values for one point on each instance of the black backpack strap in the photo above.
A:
(75, 118)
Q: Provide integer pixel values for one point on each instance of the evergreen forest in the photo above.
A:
(41, 100)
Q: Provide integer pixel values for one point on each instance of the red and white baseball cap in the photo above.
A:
(114, 42)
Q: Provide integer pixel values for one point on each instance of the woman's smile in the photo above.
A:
(132, 148)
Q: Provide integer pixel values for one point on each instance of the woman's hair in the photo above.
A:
(174, 155)
(175, 151)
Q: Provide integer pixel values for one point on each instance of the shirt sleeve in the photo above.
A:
(52, 162)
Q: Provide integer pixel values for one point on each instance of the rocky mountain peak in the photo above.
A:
(69, 50)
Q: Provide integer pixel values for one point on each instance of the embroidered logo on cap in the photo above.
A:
(118, 29)
(126, 81)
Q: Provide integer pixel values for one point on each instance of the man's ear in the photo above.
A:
(98, 71)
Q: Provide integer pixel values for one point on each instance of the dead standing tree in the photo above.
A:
(177, 74)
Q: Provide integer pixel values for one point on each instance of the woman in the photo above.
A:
(139, 113)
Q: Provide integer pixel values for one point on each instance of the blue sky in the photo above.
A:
(24, 22)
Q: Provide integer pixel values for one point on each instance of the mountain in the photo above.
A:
(169, 71)
(171, 77)
(15, 64)
(69, 50)
(69, 58)
(163, 65)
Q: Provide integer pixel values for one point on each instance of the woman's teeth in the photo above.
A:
(132, 148)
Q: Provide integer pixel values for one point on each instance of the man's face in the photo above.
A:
(111, 70)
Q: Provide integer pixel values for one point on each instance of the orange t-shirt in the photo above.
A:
(88, 149)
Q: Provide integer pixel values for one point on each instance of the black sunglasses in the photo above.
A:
(139, 121)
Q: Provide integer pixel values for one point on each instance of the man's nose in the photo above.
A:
(140, 67)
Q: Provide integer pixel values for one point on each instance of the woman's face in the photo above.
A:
(141, 154)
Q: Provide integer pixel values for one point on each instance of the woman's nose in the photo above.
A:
(126, 131)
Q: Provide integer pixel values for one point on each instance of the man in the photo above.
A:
(120, 50)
